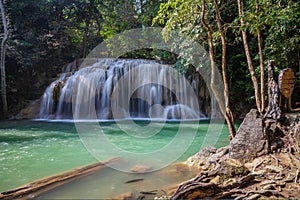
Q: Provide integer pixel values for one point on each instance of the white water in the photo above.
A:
(120, 89)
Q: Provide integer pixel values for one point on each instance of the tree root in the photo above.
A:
(273, 175)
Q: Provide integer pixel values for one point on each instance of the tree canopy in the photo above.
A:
(47, 34)
(277, 22)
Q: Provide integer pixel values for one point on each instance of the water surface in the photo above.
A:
(30, 150)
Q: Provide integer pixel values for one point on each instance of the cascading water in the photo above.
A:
(120, 88)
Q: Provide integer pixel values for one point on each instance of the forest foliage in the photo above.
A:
(45, 35)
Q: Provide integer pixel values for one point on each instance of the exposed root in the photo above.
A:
(274, 175)
(258, 164)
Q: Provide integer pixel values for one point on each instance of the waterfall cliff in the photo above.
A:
(122, 88)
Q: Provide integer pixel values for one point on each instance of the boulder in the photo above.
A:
(231, 168)
(30, 112)
(250, 140)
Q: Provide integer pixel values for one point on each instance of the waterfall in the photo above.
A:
(121, 88)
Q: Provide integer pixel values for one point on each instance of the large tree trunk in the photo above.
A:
(228, 115)
(2, 63)
(249, 60)
(261, 62)
(224, 66)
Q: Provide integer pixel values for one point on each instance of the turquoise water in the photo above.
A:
(30, 150)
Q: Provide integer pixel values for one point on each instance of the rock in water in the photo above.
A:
(30, 112)
(250, 141)
(140, 169)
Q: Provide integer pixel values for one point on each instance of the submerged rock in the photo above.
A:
(140, 169)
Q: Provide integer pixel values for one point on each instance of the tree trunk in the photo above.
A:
(261, 63)
(2, 63)
(249, 60)
(224, 66)
(85, 38)
(262, 72)
(273, 111)
(228, 115)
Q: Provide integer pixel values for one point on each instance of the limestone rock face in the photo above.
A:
(30, 112)
(250, 141)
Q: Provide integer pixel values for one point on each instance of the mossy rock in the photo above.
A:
(232, 168)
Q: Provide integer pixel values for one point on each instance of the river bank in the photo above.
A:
(250, 167)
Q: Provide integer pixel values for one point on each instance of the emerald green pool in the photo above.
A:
(30, 150)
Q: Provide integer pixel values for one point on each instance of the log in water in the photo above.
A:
(41, 186)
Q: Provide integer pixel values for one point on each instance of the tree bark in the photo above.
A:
(249, 59)
(273, 111)
(224, 66)
(261, 62)
(223, 108)
(262, 72)
(2, 63)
